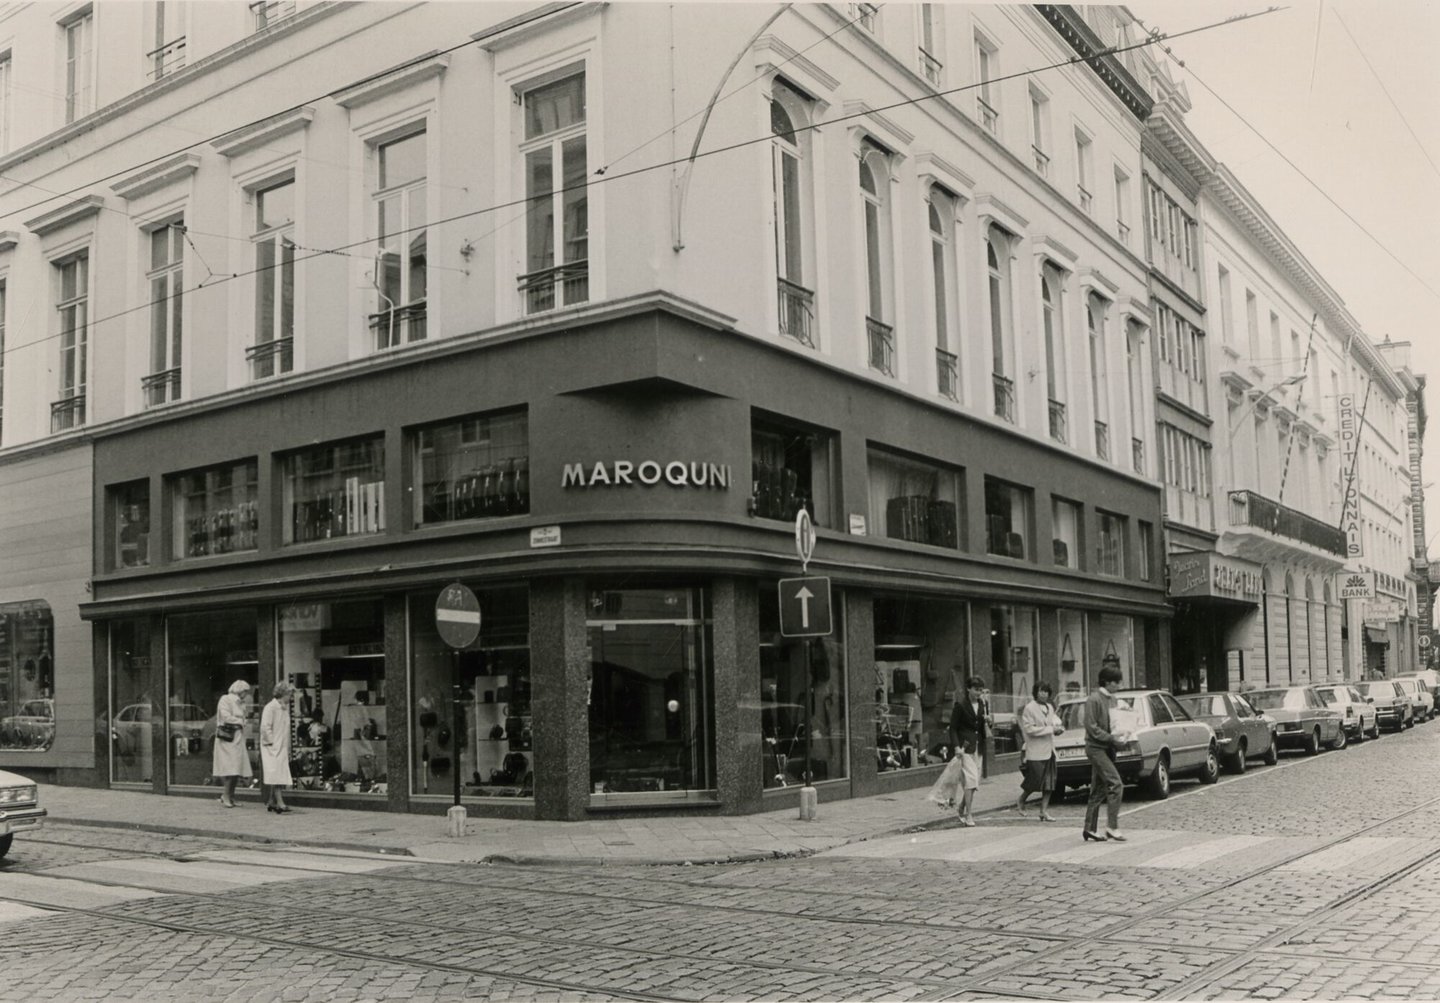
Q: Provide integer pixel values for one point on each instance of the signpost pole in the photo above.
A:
(457, 729)
(805, 546)
(457, 621)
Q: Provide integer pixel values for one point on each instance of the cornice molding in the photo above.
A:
(990, 206)
(1112, 73)
(777, 56)
(71, 212)
(385, 83)
(8, 240)
(170, 171)
(1046, 246)
(885, 130)
(252, 137)
(1097, 280)
(546, 17)
(945, 174)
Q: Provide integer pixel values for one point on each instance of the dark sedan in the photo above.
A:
(1301, 718)
(1240, 730)
(1392, 704)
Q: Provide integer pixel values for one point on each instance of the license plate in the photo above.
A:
(1070, 754)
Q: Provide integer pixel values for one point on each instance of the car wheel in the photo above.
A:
(5, 842)
(1341, 740)
(1157, 785)
(1375, 728)
(1272, 754)
(1210, 772)
(1360, 732)
(1312, 743)
(1237, 761)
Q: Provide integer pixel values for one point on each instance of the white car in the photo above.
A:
(1361, 719)
(1420, 699)
(19, 808)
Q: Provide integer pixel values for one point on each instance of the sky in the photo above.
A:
(1324, 105)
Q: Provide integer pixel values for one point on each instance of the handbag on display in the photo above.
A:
(428, 719)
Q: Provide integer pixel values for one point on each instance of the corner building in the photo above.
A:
(443, 356)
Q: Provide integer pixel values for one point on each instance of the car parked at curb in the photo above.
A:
(20, 809)
(1240, 730)
(1392, 706)
(1301, 718)
(1166, 742)
(1421, 703)
(1359, 718)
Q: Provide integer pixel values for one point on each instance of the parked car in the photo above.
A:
(1240, 730)
(31, 727)
(1392, 705)
(1301, 717)
(20, 809)
(188, 731)
(1421, 702)
(1167, 742)
(1360, 718)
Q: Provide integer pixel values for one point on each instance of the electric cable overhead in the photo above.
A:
(340, 249)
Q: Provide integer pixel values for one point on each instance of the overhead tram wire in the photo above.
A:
(340, 249)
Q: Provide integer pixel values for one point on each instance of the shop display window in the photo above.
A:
(652, 705)
(922, 659)
(216, 510)
(790, 470)
(472, 468)
(490, 741)
(1110, 548)
(782, 699)
(130, 524)
(1071, 655)
(206, 652)
(27, 676)
(1007, 519)
(1065, 523)
(913, 500)
(333, 654)
(1014, 640)
(1112, 639)
(335, 490)
(134, 709)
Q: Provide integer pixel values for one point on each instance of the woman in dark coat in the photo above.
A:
(969, 723)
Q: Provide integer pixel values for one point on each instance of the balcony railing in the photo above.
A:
(560, 285)
(797, 312)
(1058, 421)
(1086, 199)
(162, 387)
(267, 12)
(271, 358)
(931, 67)
(947, 373)
(1137, 455)
(166, 59)
(989, 117)
(1102, 440)
(392, 328)
(882, 345)
(1249, 509)
(1123, 229)
(865, 15)
(68, 412)
(1004, 396)
(1042, 161)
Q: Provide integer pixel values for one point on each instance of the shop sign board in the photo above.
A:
(1207, 573)
(805, 607)
(1379, 612)
(457, 616)
(1356, 584)
(621, 473)
(1349, 430)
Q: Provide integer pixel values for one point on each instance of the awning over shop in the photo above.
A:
(1376, 635)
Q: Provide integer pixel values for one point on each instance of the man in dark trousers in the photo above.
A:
(1100, 742)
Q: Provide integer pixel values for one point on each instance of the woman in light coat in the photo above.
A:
(1040, 724)
(275, 749)
(231, 760)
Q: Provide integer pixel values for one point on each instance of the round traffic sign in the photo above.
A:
(804, 536)
(457, 616)
(1424, 640)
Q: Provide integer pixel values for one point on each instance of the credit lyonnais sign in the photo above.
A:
(1210, 574)
(1349, 428)
(620, 473)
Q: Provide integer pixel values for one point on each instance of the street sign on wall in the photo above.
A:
(805, 607)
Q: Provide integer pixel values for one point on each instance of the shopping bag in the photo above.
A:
(946, 789)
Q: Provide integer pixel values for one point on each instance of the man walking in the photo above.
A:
(1100, 742)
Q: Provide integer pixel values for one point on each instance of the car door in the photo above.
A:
(1167, 733)
(1256, 731)
(1195, 735)
(1329, 718)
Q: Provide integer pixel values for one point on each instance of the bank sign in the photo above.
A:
(1349, 429)
(620, 473)
(1211, 574)
(1356, 584)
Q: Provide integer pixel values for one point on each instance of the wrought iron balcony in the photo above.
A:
(559, 285)
(989, 117)
(395, 327)
(1042, 161)
(882, 345)
(931, 67)
(1102, 440)
(1004, 396)
(1123, 229)
(947, 373)
(797, 312)
(1086, 199)
(1250, 509)
(1058, 421)
(1137, 454)
(162, 387)
(166, 59)
(271, 358)
(68, 412)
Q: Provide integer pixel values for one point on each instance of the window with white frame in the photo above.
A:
(997, 261)
(932, 39)
(1226, 323)
(6, 105)
(272, 233)
(4, 286)
(78, 51)
(1122, 205)
(72, 304)
(1110, 547)
(167, 50)
(1066, 518)
(790, 177)
(557, 222)
(165, 278)
(1095, 310)
(1084, 173)
(1040, 131)
(1052, 322)
(400, 229)
(943, 272)
(1134, 385)
(986, 69)
(875, 206)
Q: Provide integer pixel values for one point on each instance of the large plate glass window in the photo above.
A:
(333, 653)
(782, 698)
(1072, 652)
(791, 470)
(134, 709)
(557, 220)
(922, 659)
(914, 500)
(206, 652)
(27, 676)
(335, 490)
(1112, 644)
(652, 705)
(1008, 518)
(215, 511)
(1014, 648)
(492, 747)
(472, 468)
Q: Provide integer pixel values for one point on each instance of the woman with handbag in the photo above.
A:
(969, 723)
(1039, 724)
(231, 760)
(275, 749)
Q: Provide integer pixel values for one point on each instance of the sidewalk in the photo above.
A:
(663, 840)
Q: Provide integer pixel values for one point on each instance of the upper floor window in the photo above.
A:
(167, 52)
(791, 470)
(3, 305)
(399, 205)
(78, 47)
(557, 221)
(273, 234)
(986, 69)
(997, 258)
(931, 40)
(471, 468)
(130, 524)
(1095, 310)
(1065, 523)
(1052, 322)
(914, 500)
(1122, 206)
(1007, 518)
(166, 279)
(867, 15)
(790, 176)
(73, 306)
(1134, 386)
(267, 12)
(1040, 131)
(1252, 324)
(874, 197)
(1084, 171)
(1110, 548)
(943, 270)
(215, 511)
(6, 105)
(335, 490)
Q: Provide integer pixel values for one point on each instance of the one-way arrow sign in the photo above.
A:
(805, 607)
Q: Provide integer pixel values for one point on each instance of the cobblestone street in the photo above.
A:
(1318, 878)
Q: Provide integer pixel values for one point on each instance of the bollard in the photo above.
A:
(455, 821)
(808, 799)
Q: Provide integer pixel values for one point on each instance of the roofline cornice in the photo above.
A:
(1112, 73)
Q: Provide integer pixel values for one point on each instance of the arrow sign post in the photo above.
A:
(457, 620)
(805, 613)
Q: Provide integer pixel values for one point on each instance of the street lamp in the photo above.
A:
(1289, 381)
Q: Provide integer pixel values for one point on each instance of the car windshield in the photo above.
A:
(1329, 695)
(37, 708)
(1380, 688)
(1123, 715)
(1204, 706)
(1277, 699)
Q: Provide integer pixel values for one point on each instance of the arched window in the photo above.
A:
(875, 206)
(941, 214)
(1134, 383)
(1095, 308)
(1052, 319)
(997, 258)
(792, 216)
